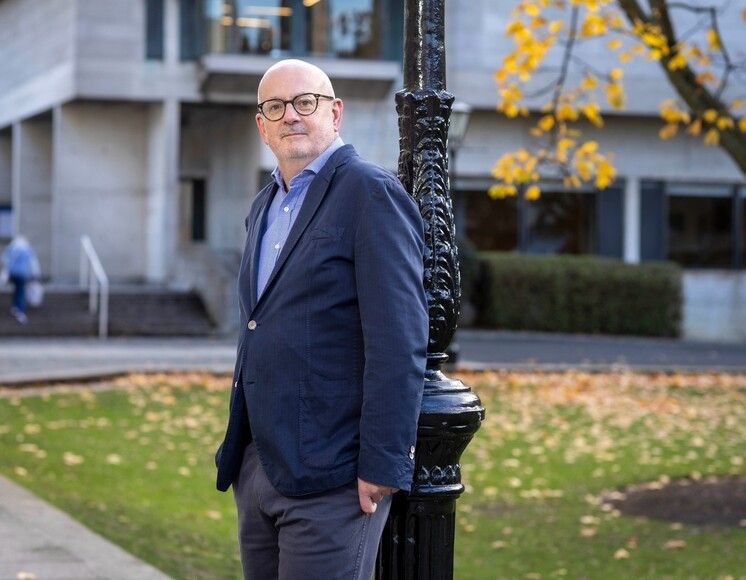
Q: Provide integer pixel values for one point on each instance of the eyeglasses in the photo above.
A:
(305, 105)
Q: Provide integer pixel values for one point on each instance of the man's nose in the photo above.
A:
(291, 115)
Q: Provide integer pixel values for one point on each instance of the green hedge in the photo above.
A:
(578, 294)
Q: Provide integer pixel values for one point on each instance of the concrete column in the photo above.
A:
(31, 185)
(162, 192)
(100, 187)
(632, 220)
(15, 174)
(171, 32)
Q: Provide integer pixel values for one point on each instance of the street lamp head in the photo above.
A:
(460, 114)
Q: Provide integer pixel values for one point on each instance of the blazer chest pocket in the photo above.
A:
(327, 233)
(328, 421)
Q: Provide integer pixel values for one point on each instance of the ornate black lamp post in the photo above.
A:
(418, 540)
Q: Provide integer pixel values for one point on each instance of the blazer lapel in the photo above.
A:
(255, 234)
(314, 196)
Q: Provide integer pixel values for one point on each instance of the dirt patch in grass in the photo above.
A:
(715, 501)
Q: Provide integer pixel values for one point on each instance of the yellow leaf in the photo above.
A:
(668, 131)
(742, 124)
(695, 128)
(613, 44)
(514, 27)
(705, 77)
(555, 26)
(605, 174)
(566, 112)
(676, 62)
(713, 40)
(621, 553)
(531, 9)
(712, 137)
(533, 193)
(588, 82)
(625, 57)
(591, 111)
(546, 122)
(615, 95)
(615, 74)
(675, 545)
(501, 191)
(710, 115)
(725, 123)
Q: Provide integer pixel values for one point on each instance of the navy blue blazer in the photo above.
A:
(331, 358)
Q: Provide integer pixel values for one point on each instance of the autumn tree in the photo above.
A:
(696, 61)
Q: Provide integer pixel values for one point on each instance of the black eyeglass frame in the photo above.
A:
(292, 102)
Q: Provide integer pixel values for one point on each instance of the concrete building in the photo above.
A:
(131, 121)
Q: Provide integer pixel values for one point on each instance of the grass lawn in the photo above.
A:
(135, 464)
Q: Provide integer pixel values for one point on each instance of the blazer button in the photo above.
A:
(252, 324)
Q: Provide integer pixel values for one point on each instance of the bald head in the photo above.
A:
(297, 139)
(285, 70)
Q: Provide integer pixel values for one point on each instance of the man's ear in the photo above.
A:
(261, 127)
(337, 110)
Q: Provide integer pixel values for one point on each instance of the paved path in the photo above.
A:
(38, 359)
(38, 541)
(521, 350)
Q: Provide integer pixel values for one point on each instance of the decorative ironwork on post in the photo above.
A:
(418, 539)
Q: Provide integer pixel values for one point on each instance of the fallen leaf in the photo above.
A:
(674, 545)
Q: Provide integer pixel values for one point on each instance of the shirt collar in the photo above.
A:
(314, 167)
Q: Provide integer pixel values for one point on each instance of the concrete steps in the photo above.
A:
(133, 311)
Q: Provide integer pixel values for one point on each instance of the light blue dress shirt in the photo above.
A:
(282, 213)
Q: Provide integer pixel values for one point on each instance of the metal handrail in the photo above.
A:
(92, 274)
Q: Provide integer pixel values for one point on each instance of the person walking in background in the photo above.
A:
(21, 265)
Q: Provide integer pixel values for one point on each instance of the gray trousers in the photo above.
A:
(322, 536)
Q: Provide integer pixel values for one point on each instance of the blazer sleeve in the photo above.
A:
(393, 313)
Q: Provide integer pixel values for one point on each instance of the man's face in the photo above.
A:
(296, 137)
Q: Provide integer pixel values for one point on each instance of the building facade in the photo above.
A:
(131, 121)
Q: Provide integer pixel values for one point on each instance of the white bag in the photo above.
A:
(34, 293)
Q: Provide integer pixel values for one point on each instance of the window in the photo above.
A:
(343, 28)
(154, 29)
(6, 221)
(193, 210)
(364, 29)
(700, 226)
(561, 223)
(491, 224)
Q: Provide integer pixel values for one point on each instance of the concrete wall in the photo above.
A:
(36, 56)
(32, 199)
(100, 187)
(633, 141)
(110, 59)
(222, 146)
(714, 305)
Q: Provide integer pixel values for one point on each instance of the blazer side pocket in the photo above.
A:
(328, 420)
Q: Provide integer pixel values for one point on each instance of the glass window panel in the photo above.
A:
(248, 26)
(343, 28)
(491, 224)
(561, 223)
(154, 29)
(699, 231)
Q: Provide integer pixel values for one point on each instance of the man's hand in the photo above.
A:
(370, 494)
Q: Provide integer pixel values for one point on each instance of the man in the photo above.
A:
(331, 357)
